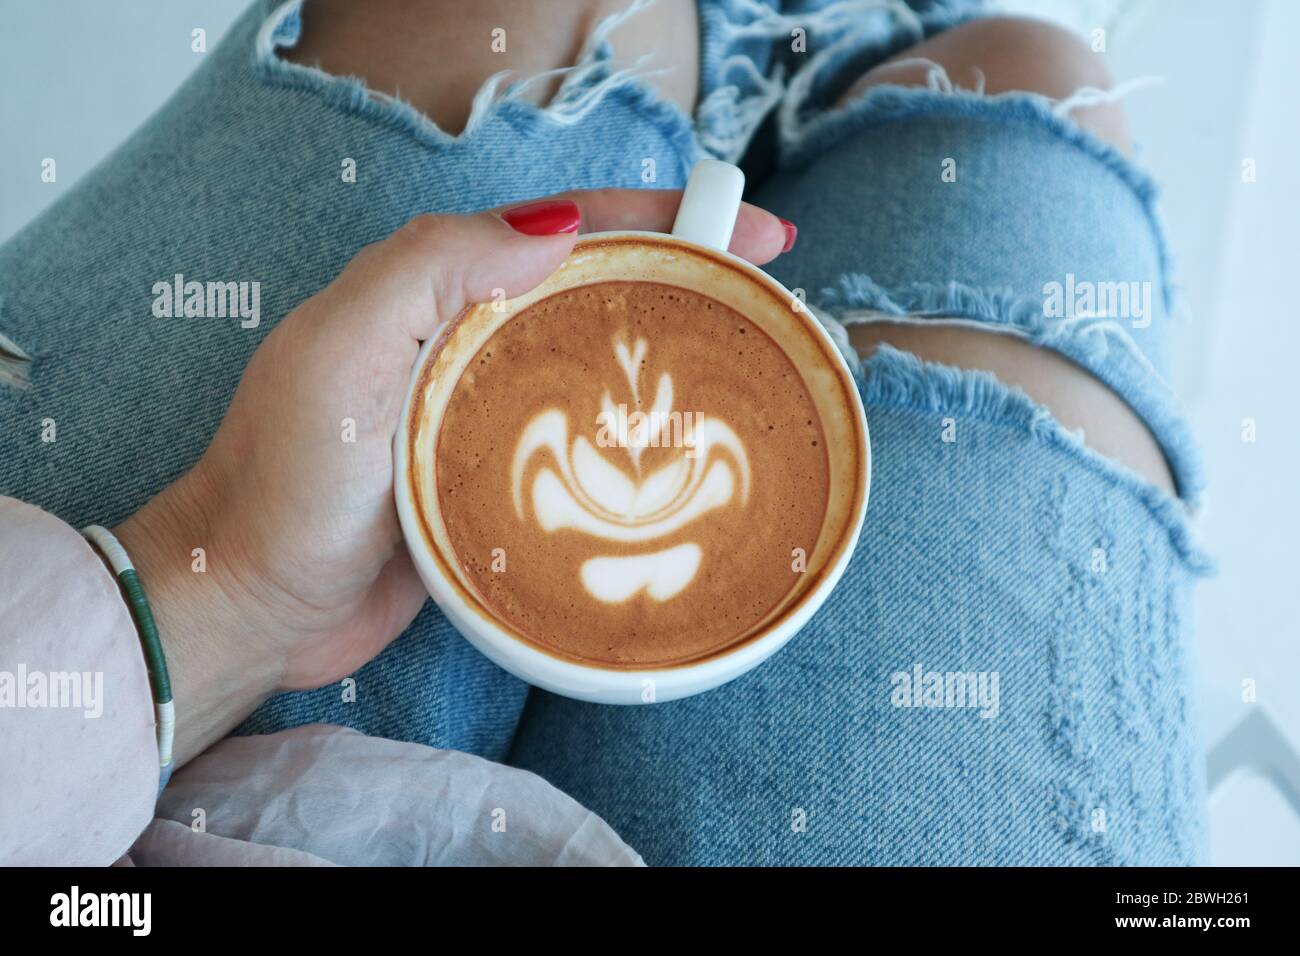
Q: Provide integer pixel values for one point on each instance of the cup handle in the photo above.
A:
(707, 213)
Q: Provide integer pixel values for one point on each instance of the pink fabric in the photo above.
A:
(335, 796)
(77, 789)
(80, 789)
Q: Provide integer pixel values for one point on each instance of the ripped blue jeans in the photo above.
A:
(1002, 676)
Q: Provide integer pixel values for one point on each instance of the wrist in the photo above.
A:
(220, 670)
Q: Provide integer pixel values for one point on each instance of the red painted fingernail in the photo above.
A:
(549, 217)
(791, 232)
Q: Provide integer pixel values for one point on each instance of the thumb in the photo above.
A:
(424, 274)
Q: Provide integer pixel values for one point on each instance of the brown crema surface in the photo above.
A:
(563, 355)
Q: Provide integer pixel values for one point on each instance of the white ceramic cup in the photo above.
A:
(694, 256)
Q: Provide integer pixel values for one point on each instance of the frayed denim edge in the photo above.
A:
(857, 46)
(1085, 342)
(15, 364)
(898, 379)
(349, 94)
(735, 97)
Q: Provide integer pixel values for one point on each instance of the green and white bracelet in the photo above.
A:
(154, 660)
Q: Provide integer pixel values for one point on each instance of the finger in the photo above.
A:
(430, 269)
(424, 274)
(758, 236)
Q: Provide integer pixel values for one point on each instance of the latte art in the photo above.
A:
(630, 474)
(582, 490)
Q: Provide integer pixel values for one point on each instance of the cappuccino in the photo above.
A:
(632, 475)
(638, 479)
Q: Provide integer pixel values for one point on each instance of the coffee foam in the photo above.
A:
(643, 509)
(593, 496)
(588, 493)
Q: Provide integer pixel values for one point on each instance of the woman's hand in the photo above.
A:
(306, 575)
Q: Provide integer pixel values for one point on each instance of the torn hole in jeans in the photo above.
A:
(583, 86)
(891, 377)
(855, 36)
(1097, 344)
(736, 95)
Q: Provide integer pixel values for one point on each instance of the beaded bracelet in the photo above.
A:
(154, 660)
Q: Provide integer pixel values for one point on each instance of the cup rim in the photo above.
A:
(591, 681)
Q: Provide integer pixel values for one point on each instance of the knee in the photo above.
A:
(1035, 56)
(1016, 53)
(1005, 54)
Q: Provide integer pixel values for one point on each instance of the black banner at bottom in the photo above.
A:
(215, 905)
